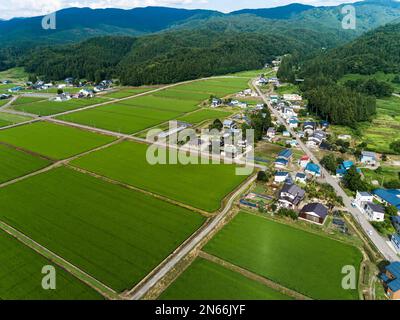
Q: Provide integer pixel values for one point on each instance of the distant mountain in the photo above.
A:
(284, 12)
(77, 24)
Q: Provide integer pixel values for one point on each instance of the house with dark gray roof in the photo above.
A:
(314, 212)
(290, 196)
(374, 212)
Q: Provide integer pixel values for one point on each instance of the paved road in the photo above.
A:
(137, 294)
(374, 236)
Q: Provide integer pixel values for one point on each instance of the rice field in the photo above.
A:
(21, 277)
(14, 163)
(204, 115)
(140, 113)
(126, 92)
(189, 184)
(7, 119)
(48, 107)
(302, 261)
(205, 280)
(52, 140)
(114, 234)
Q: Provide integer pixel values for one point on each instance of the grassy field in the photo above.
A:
(387, 77)
(302, 261)
(7, 119)
(14, 74)
(288, 89)
(51, 140)
(14, 163)
(127, 92)
(205, 280)
(387, 173)
(114, 234)
(202, 186)
(121, 117)
(47, 107)
(21, 277)
(203, 115)
(27, 100)
(140, 113)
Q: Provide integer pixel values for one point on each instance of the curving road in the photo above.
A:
(373, 235)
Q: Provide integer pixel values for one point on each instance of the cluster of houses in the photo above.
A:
(247, 93)
(391, 280)
(265, 81)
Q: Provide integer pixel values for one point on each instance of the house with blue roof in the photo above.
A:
(286, 154)
(395, 239)
(281, 163)
(396, 223)
(390, 197)
(344, 167)
(281, 176)
(313, 169)
(391, 280)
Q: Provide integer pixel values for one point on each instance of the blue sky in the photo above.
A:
(25, 8)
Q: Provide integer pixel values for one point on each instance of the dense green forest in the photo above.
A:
(354, 100)
(167, 57)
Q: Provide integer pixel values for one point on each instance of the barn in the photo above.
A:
(314, 212)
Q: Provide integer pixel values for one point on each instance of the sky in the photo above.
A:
(29, 8)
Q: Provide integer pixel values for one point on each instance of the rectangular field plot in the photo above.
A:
(201, 186)
(302, 261)
(181, 94)
(52, 140)
(163, 104)
(217, 86)
(21, 276)
(7, 119)
(121, 117)
(14, 163)
(203, 115)
(47, 107)
(205, 280)
(27, 100)
(114, 234)
(127, 92)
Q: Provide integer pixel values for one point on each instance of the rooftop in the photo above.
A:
(391, 196)
(316, 208)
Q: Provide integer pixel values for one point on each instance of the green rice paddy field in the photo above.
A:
(52, 140)
(302, 261)
(14, 163)
(140, 113)
(7, 119)
(127, 92)
(201, 186)
(115, 234)
(21, 277)
(203, 115)
(46, 107)
(205, 280)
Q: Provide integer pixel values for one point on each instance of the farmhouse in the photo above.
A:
(313, 169)
(304, 161)
(374, 212)
(292, 97)
(301, 177)
(316, 139)
(293, 122)
(396, 223)
(290, 196)
(281, 176)
(314, 212)
(309, 127)
(216, 102)
(281, 163)
(391, 280)
(368, 158)
(62, 97)
(344, 167)
(286, 154)
(15, 89)
(229, 124)
(363, 198)
(388, 197)
(271, 133)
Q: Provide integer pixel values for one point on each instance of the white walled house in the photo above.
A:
(374, 212)
(363, 198)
